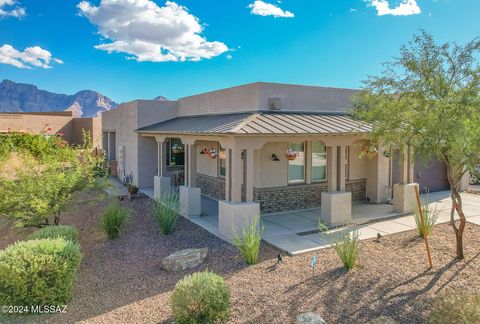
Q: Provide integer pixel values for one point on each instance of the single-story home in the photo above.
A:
(262, 148)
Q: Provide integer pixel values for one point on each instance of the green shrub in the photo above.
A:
(249, 243)
(453, 309)
(165, 211)
(430, 214)
(69, 233)
(202, 297)
(347, 248)
(38, 272)
(113, 219)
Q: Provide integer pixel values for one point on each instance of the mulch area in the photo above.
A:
(122, 281)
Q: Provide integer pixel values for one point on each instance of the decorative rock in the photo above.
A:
(184, 259)
(383, 320)
(309, 318)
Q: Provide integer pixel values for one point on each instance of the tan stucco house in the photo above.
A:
(261, 148)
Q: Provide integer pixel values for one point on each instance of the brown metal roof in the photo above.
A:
(260, 123)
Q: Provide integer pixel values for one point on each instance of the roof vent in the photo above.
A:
(274, 104)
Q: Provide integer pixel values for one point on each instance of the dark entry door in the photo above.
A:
(431, 175)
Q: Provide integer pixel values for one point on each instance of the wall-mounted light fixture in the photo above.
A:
(275, 157)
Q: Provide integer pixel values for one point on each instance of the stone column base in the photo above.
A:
(404, 197)
(190, 201)
(233, 217)
(161, 186)
(336, 208)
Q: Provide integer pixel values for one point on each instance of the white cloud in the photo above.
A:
(405, 8)
(9, 8)
(31, 57)
(148, 32)
(267, 9)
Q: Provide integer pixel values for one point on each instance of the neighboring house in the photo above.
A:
(58, 122)
(260, 148)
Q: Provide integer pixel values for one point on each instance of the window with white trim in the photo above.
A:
(319, 161)
(296, 167)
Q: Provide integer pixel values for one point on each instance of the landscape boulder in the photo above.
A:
(184, 259)
(309, 318)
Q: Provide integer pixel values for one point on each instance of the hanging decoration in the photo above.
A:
(177, 149)
(369, 150)
(291, 155)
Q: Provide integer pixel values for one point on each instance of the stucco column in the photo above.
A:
(236, 175)
(161, 184)
(186, 166)
(108, 146)
(332, 168)
(411, 166)
(308, 162)
(228, 173)
(191, 165)
(249, 175)
(403, 166)
(341, 168)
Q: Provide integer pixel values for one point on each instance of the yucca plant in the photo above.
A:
(249, 243)
(430, 214)
(113, 219)
(165, 211)
(347, 248)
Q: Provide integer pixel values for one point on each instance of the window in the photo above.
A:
(175, 152)
(222, 161)
(319, 161)
(347, 162)
(296, 167)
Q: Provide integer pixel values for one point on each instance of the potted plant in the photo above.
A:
(291, 154)
(132, 189)
(370, 151)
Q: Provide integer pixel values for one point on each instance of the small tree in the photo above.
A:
(429, 99)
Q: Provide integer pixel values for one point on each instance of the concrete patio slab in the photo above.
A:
(391, 227)
(474, 220)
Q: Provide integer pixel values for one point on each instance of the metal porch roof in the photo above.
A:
(260, 123)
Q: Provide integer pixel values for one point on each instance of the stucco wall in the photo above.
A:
(59, 122)
(306, 98)
(206, 165)
(235, 99)
(269, 173)
(358, 168)
(123, 121)
(255, 96)
(138, 151)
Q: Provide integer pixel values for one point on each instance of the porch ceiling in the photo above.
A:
(259, 123)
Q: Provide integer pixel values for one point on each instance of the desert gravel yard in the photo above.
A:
(121, 281)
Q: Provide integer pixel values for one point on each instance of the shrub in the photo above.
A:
(453, 309)
(165, 211)
(201, 297)
(249, 243)
(113, 219)
(347, 248)
(430, 214)
(38, 272)
(66, 232)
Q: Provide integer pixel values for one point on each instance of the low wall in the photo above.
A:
(211, 186)
(304, 196)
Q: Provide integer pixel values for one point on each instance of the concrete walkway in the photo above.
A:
(297, 232)
(301, 242)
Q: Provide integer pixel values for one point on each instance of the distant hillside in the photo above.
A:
(161, 98)
(20, 97)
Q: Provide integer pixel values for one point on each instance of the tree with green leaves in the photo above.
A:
(429, 99)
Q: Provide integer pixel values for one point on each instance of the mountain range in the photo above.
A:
(21, 97)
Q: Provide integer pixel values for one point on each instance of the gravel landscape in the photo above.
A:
(122, 280)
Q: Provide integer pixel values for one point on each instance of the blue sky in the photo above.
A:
(196, 46)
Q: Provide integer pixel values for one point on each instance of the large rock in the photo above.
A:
(309, 318)
(184, 259)
(383, 320)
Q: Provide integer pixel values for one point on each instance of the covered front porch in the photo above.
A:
(294, 170)
(296, 232)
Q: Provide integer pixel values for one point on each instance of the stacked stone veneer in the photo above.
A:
(273, 200)
(211, 186)
(295, 197)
